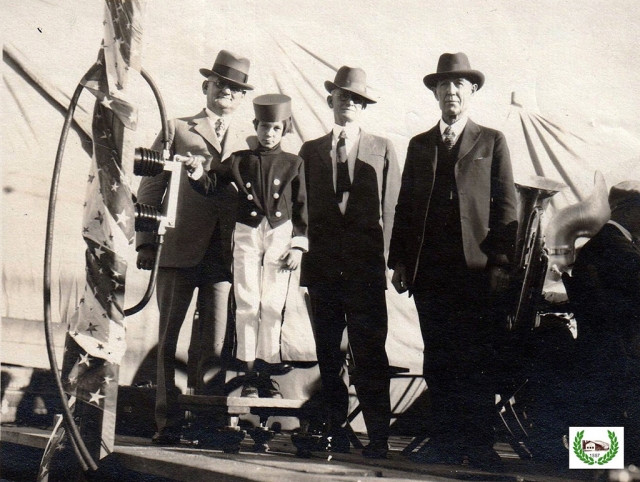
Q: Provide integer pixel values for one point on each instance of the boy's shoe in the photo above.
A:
(249, 390)
(268, 388)
(336, 441)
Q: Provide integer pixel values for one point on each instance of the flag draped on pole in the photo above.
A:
(108, 223)
(95, 340)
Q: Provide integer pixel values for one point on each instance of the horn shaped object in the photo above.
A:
(583, 219)
(531, 258)
(534, 194)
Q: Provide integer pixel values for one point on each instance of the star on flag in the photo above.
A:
(96, 397)
(86, 359)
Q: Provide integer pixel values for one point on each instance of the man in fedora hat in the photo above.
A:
(352, 180)
(604, 291)
(453, 234)
(197, 252)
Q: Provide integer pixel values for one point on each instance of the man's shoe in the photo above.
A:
(486, 459)
(268, 388)
(434, 452)
(166, 437)
(376, 450)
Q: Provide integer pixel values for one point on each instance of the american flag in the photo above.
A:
(95, 342)
(108, 222)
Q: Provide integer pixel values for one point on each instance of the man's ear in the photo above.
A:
(204, 86)
(474, 88)
(330, 101)
(435, 94)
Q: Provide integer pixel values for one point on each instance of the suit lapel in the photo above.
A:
(324, 153)
(229, 142)
(470, 137)
(324, 150)
(432, 147)
(203, 127)
(365, 145)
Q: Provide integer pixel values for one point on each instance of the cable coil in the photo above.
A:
(80, 449)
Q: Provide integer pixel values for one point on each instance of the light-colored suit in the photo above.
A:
(197, 216)
(196, 254)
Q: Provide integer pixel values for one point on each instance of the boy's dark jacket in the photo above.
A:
(270, 184)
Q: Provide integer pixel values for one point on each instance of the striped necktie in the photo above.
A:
(448, 139)
(221, 127)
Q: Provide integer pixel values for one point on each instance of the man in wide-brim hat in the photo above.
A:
(453, 236)
(352, 180)
(197, 252)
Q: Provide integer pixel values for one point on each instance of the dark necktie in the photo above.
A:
(343, 183)
(448, 139)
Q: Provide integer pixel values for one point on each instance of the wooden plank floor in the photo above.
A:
(280, 464)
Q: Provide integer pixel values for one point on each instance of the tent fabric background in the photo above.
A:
(550, 54)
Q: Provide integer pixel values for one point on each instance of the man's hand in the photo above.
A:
(399, 278)
(146, 257)
(191, 162)
(291, 260)
(499, 279)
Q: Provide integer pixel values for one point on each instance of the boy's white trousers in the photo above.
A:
(260, 288)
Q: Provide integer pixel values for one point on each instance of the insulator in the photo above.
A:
(147, 218)
(147, 162)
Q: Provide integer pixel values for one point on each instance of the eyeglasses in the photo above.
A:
(221, 84)
(345, 96)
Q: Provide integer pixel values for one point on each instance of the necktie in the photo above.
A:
(343, 183)
(221, 127)
(449, 139)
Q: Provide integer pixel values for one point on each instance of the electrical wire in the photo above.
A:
(159, 239)
(84, 457)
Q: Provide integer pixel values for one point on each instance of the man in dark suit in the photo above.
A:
(352, 186)
(197, 252)
(454, 231)
(604, 290)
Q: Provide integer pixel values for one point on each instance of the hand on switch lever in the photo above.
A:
(191, 162)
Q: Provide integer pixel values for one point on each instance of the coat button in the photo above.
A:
(276, 195)
(278, 214)
(276, 182)
(254, 214)
(250, 197)
(248, 185)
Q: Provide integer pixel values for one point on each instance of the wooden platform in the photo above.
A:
(186, 464)
(242, 405)
(240, 402)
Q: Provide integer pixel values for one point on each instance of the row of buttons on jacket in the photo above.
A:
(254, 214)
(276, 195)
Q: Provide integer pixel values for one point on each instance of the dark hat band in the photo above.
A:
(630, 202)
(230, 73)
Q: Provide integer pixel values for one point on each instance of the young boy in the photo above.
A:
(269, 238)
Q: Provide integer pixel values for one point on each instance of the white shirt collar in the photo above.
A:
(351, 129)
(457, 127)
(623, 230)
(211, 115)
